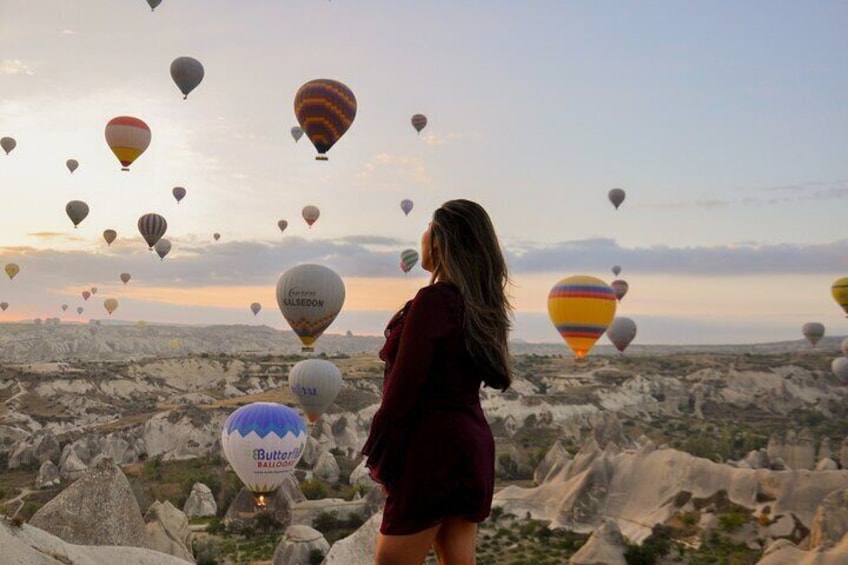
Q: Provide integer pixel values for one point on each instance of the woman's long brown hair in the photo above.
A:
(466, 252)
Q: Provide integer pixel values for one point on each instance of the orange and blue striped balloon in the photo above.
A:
(840, 292)
(581, 308)
(325, 109)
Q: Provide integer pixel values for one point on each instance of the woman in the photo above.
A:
(430, 445)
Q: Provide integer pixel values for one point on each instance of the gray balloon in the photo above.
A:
(187, 72)
(840, 367)
(621, 332)
(162, 247)
(616, 196)
(77, 210)
(813, 331)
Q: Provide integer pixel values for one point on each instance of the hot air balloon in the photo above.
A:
(109, 236)
(845, 346)
(110, 304)
(162, 247)
(72, 165)
(813, 331)
(255, 307)
(86, 295)
(76, 210)
(152, 228)
(8, 143)
(616, 196)
(93, 290)
(127, 137)
(125, 277)
(310, 297)
(316, 384)
(840, 368)
(64, 307)
(310, 214)
(408, 259)
(621, 332)
(12, 269)
(406, 206)
(4, 305)
(616, 269)
(153, 4)
(187, 73)
(581, 307)
(80, 309)
(620, 287)
(296, 133)
(419, 122)
(179, 193)
(282, 224)
(325, 109)
(839, 289)
(263, 442)
(216, 236)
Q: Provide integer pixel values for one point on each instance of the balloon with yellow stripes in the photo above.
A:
(581, 308)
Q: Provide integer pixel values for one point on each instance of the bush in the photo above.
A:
(314, 489)
(732, 522)
(316, 556)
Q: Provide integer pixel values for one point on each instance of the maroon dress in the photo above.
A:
(430, 444)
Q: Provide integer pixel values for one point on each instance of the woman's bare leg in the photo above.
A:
(456, 542)
(405, 550)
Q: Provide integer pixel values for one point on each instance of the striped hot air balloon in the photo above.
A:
(263, 442)
(839, 289)
(325, 109)
(419, 122)
(127, 137)
(310, 297)
(152, 227)
(408, 259)
(581, 308)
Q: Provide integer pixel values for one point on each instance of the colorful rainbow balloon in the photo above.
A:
(581, 308)
(839, 289)
(127, 137)
(325, 109)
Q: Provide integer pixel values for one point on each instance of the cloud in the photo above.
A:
(55, 235)
(766, 196)
(15, 67)
(739, 259)
(396, 168)
(436, 139)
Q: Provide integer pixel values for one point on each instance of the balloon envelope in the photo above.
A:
(94, 290)
(8, 143)
(310, 214)
(263, 442)
(162, 247)
(216, 236)
(127, 137)
(616, 196)
(153, 4)
(110, 304)
(406, 205)
(325, 109)
(616, 269)
(296, 133)
(282, 224)
(316, 384)
(64, 307)
(179, 193)
(4, 305)
(125, 277)
(619, 287)
(86, 294)
(310, 297)
(839, 289)
(255, 307)
(840, 367)
(109, 236)
(621, 332)
(76, 210)
(408, 259)
(72, 164)
(12, 269)
(813, 331)
(581, 307)
(419, 122)
(187, 72)
(80, 309)
(152, 227)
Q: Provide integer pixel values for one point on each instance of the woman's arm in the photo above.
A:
(431, 317)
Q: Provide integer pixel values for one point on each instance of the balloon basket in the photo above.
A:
(321, 158)
(260, 502)
(307, 349)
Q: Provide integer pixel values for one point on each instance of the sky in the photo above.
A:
(724, 122)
